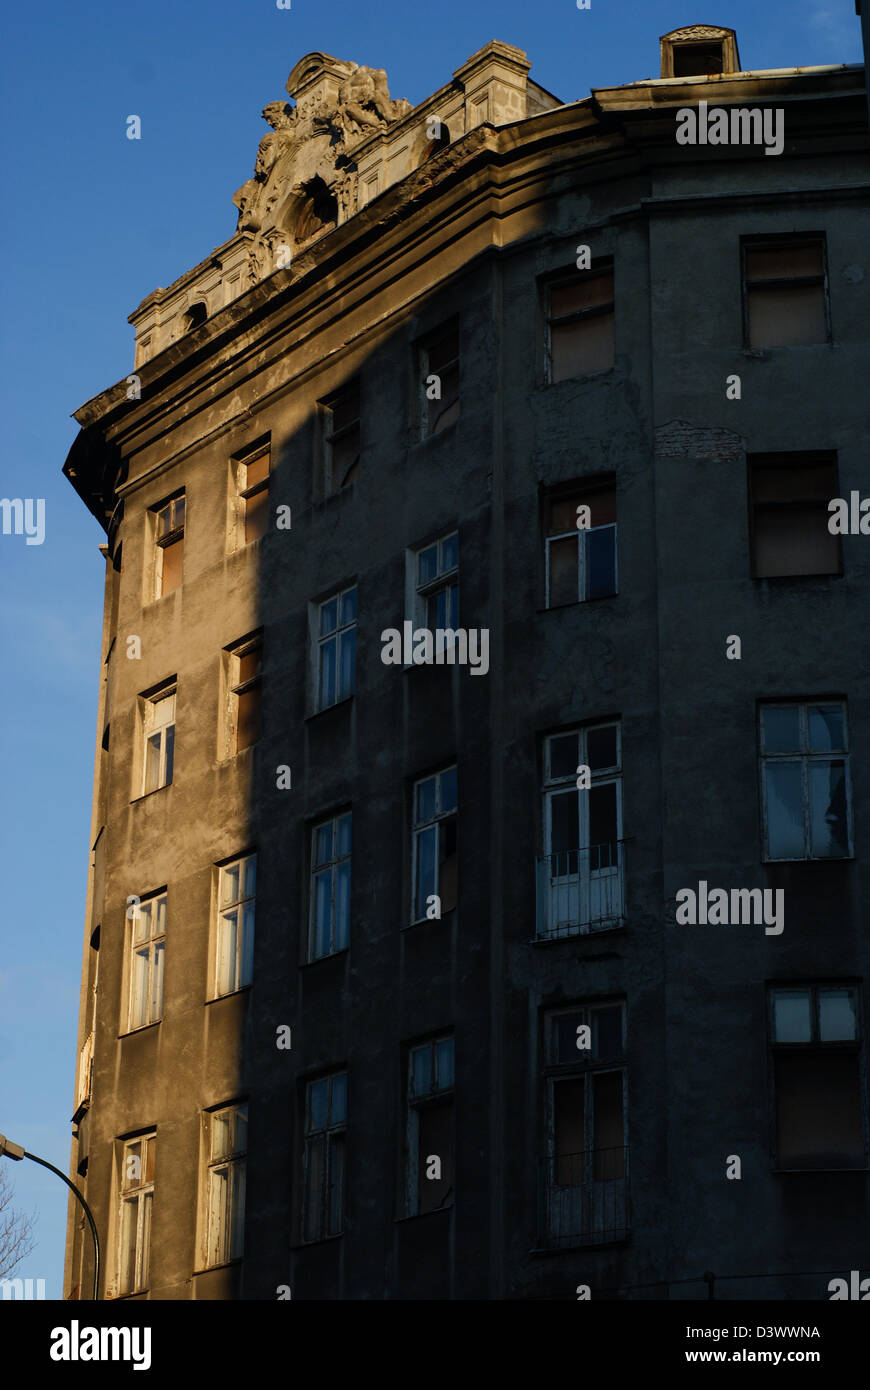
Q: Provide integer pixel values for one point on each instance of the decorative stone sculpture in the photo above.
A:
(308, 154)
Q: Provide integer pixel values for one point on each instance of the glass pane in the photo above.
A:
(427, 846)
(256, 471)
(237, 1211)
(444, 1063)
(348, 662)
(782, 730)
(564, 824)
(583, 293)
(172, 564)
(783, 261)
(250, 665)
(228, 952)
(247, 945)
(421, 1070)
(240, 1129)
(328, 616)
(447, 864)
(158, 917)
(786, 316)
(327, 673)
(601, 562)
(425, 800)
(828, 818)
(818, 1111)
(322, 913)
(141, 922)
(564, 1038)
(317, 1104)
(794, 478)
(221, 1134)
(603, 827)
(791, 1016)
(348, 606)
(447, 798)
(564, 559)
(248, 720)
(450, 552)
(164, 520)
(838, 1019)
(607, 1031)
(335, 1194)
(152, 763)
(169, 745)
(601, 747)
(344, 834)
(178, 509)
(563, 514)
(256, 515)
(826, 728)
(145, 1248)
(157, 982)
(230, 884)
(444, 350)
(323, 843)
(150, 1147)
(250, 876)
(129, 1217)
(342, 906)
(427, 564)
(607, 1126)
(785, 816)
(132, 1174)
(338, 1102)
(794, 540)
(569, 1138)
(582, 347)
(564, 756)
(435, 1139)
(315, 1187)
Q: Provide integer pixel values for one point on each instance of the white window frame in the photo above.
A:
(333, 1133)
(417, 830)
(332, 867)
(581, 534)
(152, 947)
(141, 1196)
(588, 882)
(237, 972)
(152, 729)
(805, 757)
(417, 593)
(235, 687)
(415, 1103)
(225, 1184)
(173, 534)
(335, 637)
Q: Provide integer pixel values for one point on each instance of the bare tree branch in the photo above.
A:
(16, 1241)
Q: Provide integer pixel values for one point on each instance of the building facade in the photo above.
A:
(481, 834)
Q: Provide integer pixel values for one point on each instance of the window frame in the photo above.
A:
(816, 1047)
(242, 492)
(333, 1134)
(417, 829)
(235, 688)
(334, 636)
(789, 462)
(330, 436)
(431, 411)
(220, 1227)
(793, 241)
(150, 728)
(142, 1196)
(805, 756)
(436, 1097)
(174, 535)
(601, 267)
(588, 489)
(133, 948)
(243, 955)
(333, 865)
(419, 593)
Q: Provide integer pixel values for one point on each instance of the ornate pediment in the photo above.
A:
(304, 172)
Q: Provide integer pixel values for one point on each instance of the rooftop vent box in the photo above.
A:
(700, 50)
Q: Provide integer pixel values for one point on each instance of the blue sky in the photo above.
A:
(93, 223)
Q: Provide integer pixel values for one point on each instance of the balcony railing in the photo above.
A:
(580, 890)
(584, 1197)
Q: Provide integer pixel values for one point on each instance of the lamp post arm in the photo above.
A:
(72, 1187)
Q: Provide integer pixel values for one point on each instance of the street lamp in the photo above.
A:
(16, 1152)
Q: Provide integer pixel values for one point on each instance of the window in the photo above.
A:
(585, 1185)
(323, 1161)
(435, 857)
(581, 324)
(147, 955)
(815, 1041)
(336, 648)
(341, 438)
(137, 1195)
(789, 496)
(253, 484)
(580, 877)
(195, 315)
(785, 291)
(439, 372)
(169, 519)
(436, 584)
(235, 938)
(158, 712)
(805, 784)
(430, 1172)
(245, 681)
(330, 887)
(579, 559)
(227, 1132)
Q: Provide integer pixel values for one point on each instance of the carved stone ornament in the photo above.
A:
(304, 178)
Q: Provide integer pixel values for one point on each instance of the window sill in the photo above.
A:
(832, 859)
(423, 1215)
(421, 921)
(321, 1240)
(782, 1172)
(315, 714)
(576, 603)
(143, 1028)
(422, 441)
(581, 1245)
(573, 380)
(133, 1293)
(210, 1269)
(318, 960)
(553, 939)
(216, 998)
(145, 795)
(785, 580)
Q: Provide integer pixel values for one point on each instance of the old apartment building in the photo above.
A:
(385, 994)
